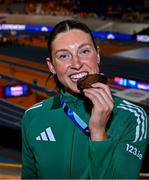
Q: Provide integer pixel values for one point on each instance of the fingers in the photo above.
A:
(99, 99)
(104, 87)
(100, 94)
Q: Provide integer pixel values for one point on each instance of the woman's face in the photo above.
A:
(73, 56)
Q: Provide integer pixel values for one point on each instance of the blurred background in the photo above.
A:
(121, 29)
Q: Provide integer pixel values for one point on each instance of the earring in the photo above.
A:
(98, 59)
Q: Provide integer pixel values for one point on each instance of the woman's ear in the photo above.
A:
(50, 65)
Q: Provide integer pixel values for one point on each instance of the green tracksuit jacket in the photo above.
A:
(54, 147)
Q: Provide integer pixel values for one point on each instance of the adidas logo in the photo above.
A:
(46, 135)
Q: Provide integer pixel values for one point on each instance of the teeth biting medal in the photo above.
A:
(86, 81)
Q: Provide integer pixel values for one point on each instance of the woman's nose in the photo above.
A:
(76, 62)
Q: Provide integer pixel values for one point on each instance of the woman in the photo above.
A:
(61, 138)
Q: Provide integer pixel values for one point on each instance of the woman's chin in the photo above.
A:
(73, 90)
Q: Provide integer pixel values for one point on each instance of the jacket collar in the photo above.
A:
(66, 96)
(56, 102)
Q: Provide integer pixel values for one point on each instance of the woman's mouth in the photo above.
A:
(75, 77)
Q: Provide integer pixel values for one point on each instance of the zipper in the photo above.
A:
(72, 151)
(72, 145)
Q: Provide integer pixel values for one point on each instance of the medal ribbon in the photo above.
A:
(75, 118)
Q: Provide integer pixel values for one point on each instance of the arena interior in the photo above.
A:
(121, 29)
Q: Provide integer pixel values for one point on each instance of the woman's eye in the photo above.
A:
(85, 52)
(63, 56)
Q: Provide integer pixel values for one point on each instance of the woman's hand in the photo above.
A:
(102, 100)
